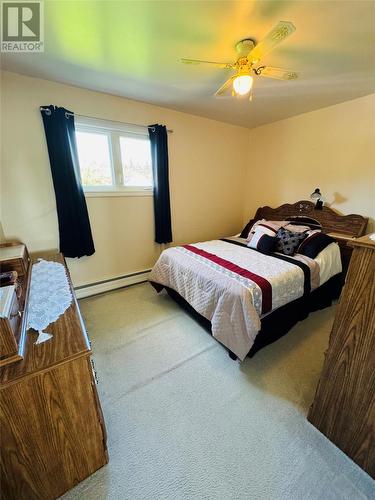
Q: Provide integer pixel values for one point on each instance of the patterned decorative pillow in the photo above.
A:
(263, 240)
(288, 241)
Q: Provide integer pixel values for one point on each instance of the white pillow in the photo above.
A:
(297, 229)
(273, 225)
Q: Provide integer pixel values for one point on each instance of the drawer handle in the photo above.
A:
(18, 313)
(94, 373)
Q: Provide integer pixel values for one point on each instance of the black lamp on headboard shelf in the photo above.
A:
(317, 196)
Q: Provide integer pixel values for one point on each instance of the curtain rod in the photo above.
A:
(48, 111)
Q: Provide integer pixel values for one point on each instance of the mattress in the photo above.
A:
(234, 286)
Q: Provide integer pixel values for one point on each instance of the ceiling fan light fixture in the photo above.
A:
(242, 84)
(249, 53)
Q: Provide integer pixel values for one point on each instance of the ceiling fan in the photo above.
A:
(249, 56)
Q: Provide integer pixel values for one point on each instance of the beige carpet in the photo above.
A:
(184, 421)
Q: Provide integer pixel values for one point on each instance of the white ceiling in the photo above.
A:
(132, 49)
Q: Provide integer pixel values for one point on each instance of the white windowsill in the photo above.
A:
(105, 194)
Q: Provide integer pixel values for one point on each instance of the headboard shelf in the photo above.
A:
(352, 225)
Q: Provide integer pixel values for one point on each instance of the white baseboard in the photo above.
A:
(111, 284)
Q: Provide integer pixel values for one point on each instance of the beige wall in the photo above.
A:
(332, 148)
(207, 168)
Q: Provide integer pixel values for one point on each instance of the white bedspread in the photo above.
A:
(233, 286)
(329, 262)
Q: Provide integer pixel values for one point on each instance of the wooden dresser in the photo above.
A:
(52, 429)
(344, 404)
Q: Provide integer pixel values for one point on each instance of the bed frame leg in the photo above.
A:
(232, 355)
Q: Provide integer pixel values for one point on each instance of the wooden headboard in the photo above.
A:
(352, 225)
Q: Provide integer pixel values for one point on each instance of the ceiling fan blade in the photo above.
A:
(226, 88)
(278, 33)
(278, 73)
(212, 63)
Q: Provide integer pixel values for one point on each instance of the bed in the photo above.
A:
(248, 299)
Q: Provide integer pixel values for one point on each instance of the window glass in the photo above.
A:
(94, 159)
(136, 161)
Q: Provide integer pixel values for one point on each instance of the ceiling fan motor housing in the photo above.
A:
(243, 47)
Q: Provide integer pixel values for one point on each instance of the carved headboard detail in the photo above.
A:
(350, 225)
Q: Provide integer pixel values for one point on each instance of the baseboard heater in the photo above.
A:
(111, 284)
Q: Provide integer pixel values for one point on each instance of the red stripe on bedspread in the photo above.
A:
(264, 285)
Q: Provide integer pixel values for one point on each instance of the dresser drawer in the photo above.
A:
(10, 319)
(14, 257)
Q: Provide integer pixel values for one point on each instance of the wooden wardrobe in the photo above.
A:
(344, 404)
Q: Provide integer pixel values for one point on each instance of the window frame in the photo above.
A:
(114, 131)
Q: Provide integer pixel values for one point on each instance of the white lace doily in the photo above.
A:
(50, 296)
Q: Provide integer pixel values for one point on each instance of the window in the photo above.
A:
(113, 158)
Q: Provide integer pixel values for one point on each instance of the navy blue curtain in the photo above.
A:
(162, 210)
(74, 225)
